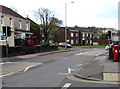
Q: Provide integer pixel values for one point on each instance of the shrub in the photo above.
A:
(56, 43)
(44, 44)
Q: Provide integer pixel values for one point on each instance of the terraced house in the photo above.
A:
(20, 26)
(80, 36)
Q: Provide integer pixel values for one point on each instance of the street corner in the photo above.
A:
(10, 68)
(94, 72)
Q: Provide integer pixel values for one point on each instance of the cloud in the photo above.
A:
(82, 12)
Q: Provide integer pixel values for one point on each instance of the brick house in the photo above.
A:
(20, 26)
(86, 36)
(76, 36)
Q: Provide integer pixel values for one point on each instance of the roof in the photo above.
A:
(9, 11)
(81, 29)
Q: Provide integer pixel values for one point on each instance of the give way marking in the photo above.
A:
(70, 69)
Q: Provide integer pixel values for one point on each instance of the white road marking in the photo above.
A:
(63, 73)
(70, 70)
(5, 63)
(66, 86)
(89, 53)
(7, 74)
(76, 66)
(26, 69)
(81, 53)
(1, 63)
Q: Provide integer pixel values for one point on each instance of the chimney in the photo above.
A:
(27, 16)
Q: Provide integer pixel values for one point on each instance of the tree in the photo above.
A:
(102, 36)
(96, 31)
(76, 27)
(47, 22)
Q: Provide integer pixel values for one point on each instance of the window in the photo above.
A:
(2, 20)
(90, 41)
(11, 22)
(72, 41)
(27, 26)
(20, 24)
(67, 40)
(72, 34)
(42, 35)
(87, 41)
(76, 34)
(90, 35)
(83, 34)
(76, 41)
(87, 34)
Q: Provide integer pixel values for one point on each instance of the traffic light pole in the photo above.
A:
(6, 43)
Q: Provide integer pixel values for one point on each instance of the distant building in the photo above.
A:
(75, 36)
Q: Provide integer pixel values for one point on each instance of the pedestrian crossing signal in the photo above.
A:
(4, 30)
(108, 35)
(8, 29)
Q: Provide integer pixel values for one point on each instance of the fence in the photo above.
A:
(15, 51)
(102, 41)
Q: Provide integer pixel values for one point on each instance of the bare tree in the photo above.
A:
(47, 21)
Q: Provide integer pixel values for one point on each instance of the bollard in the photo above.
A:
(111, 53)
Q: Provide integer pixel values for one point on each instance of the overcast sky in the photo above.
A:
(99, 13)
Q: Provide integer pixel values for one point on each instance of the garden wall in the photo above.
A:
(15, 51)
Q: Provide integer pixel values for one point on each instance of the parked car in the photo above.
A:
(62, 44)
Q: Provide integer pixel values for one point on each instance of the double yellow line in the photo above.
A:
(92, 81)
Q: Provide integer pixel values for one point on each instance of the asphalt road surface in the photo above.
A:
(54, 70)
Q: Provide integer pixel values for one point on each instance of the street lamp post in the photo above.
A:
(66, 25)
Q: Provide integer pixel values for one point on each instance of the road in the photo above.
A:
(51, 70)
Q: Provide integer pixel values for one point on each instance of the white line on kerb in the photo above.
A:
(26, 69)
(1, 63)
(66, 86)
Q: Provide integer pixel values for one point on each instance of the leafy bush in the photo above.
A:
(44, 44)
(56, 43)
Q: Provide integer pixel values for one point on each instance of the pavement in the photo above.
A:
(100, 69)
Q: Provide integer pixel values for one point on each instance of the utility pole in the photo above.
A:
(6, 43)
(66, 24)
